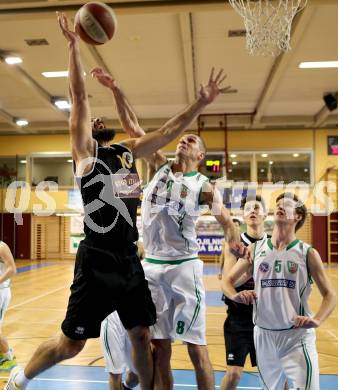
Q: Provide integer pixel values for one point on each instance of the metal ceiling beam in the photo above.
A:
(130, 7)
(281, 63)
(187, 42)
(23, 76)
(321, 116)
(8, 118)
(98, 58)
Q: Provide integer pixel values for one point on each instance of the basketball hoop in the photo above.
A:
(268, 23)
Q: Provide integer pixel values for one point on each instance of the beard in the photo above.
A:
(103, 135)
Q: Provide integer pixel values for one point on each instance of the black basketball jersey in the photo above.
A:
(110, 194)
(239, 309)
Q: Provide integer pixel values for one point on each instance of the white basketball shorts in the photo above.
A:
(288, 354)
(181, 314)
(116, 345)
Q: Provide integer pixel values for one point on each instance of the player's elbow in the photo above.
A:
(11, 271)
(227, 283)
(332, 296)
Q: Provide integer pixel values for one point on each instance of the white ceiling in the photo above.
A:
(160, 54)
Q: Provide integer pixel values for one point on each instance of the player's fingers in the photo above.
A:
(225, 89)
(211, 75)
(296, 321)
(219, 75)
(222, 79)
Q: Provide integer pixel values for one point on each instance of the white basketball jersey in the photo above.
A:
(7, 282)
(282, 284)
(170, 209)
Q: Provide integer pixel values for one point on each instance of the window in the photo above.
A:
(52, 168)
(239, 167)
(285, 167)
(12, 168)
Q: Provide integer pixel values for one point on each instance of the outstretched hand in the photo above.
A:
(209, 92)
(103, 78)
(71, 36)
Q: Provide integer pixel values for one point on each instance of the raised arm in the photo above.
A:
(127, 116)
(212, 197)
(326, 290)
(80, 117)
(151, 142)
(7, 258)
(228, 260)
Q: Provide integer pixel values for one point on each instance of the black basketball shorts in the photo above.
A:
(103, 282)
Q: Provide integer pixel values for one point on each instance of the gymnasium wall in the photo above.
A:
(237, 140)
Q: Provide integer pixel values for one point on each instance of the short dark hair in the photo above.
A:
(300, 207)
(103, 135)
(249, 198)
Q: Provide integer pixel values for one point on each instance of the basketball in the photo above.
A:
(95, 23)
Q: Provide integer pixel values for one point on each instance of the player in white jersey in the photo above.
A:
(283, 268)
(7, 270)
(117, 352)
(170, 208)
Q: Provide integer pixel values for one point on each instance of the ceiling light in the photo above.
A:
(13, 60)
(306, 170)
(262, 170)
(62, 104)
(296, 155)
(264, 155)
(230, 170)
(21, 122)
(270, 162)
(70, 161)
(318, 64)
(233, 155)
(61, 73)
(234, 163)
(23, 161)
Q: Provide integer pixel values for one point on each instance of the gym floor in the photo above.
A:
(39, 298)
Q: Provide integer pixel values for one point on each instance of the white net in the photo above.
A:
(268, 23)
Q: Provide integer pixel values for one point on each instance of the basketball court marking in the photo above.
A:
(37, 297)
(94, 378)
(332, 334)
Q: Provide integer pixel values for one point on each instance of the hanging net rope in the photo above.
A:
(268, 23)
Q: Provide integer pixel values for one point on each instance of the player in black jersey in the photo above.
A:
(108, 275)
(238, 326)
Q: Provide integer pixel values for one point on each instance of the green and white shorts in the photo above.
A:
(288, 354)
(116, 345)
(179, 296)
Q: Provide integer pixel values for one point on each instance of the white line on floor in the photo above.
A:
(332, 334)
(37, 297)
(96, 381)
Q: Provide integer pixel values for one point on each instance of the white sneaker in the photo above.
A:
(11, 385)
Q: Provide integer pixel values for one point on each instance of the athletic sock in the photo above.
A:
(21, 379)
(9, 355)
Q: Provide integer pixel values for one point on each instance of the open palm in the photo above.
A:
(71, 36)
(102, 77)
(209, 92)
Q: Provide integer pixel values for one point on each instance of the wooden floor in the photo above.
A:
(39, 299)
